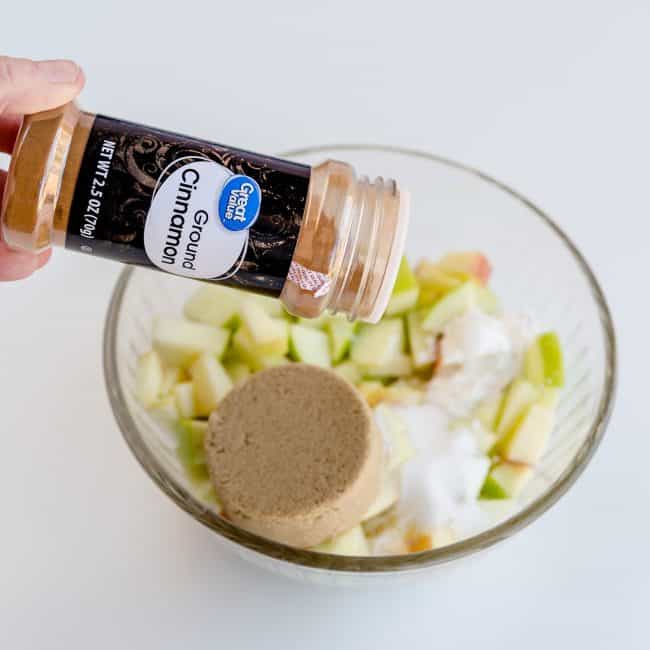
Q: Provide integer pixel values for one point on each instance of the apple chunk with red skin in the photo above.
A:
(472, 262)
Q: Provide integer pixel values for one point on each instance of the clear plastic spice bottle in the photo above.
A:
(320, 238)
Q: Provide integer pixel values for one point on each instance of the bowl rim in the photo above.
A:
(394, 563)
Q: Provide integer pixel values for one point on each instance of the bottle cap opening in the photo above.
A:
(394, 258)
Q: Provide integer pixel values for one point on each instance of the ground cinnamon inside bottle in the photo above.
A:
(317, 237)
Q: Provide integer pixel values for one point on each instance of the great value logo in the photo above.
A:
(239, 202)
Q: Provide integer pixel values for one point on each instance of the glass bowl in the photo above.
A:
(537, 269)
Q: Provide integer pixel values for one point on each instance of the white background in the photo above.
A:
(552, 97)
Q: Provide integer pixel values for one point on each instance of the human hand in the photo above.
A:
(28, 87)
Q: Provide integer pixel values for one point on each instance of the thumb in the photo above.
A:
(29, 86)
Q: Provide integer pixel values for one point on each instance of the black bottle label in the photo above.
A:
(187, 206)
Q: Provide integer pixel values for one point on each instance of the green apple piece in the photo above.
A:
(340, 331)
(184, 396)
(372, 391)
(180, 341)
(497, 510)
(543, 363)
(422, 344)
(400, 366)
(171, 376)
(238, 371)
(349, 371)
(309, 345)
(403, 393)
(379, 344)
(527, 442)
(388, 495)
(271, 362)
(434, 282)
(396, 437)
(405, 291)
(243, 349)
(317, 322)
(272, 306)
(506, 480)
(550, 397)
(451, 305)
(488, 411)
(214, 304)
(518, 398)
(191, 434)
(206, 493)
(165, 409)
(269, 336)
(487, 300)
(492, 489)
(485, 438)
(352, 542)
(148, 378)
(211, 383)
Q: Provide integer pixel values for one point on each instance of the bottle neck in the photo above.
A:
(350, 245)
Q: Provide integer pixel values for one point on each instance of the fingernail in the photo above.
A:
(60, 71)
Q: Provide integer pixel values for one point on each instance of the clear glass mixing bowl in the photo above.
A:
(537, 269)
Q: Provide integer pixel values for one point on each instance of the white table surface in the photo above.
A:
(552, 97)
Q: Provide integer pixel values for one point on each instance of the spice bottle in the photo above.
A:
(320, 238)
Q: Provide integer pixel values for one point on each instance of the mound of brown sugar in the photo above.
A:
(294, 455)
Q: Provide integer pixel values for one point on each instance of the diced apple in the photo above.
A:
(340, 331)
(171, 376)
(488, 411)
(543, 363)
(272, 306)
(472, 263)
(405, 291)
(372, 391)
(184, 396)
(179, 341)
(519, 397)
(485, 438)
(310, 346)
(450, 306)
(396, 437)
(443, 536)
(404, 394)
(400, 366)
(211, 383)
(550, 397)
(214, 304)
(148, 378)
(497, 510)
(165, 409)
(527, 442)
(379, 344)
(487, 300)
(269, 336)
(237, 371)
(388, 495)
(318, 322)
(506, 480)
(434, 282)
(191, 453)
(271, 362)
(206, 493)
(422, 344)
(349, 371)
(353, 542)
